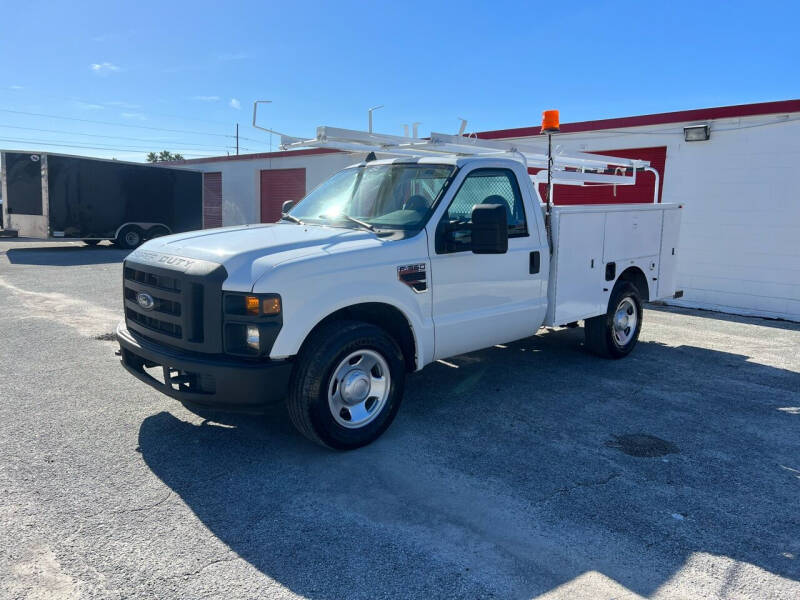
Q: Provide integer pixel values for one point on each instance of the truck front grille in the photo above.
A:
(167, 315)
(186, 307)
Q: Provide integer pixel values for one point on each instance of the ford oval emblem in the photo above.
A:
(145, 300)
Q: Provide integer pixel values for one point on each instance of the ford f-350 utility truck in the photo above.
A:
(388, 266)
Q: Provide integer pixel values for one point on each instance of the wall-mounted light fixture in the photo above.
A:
(697, 133)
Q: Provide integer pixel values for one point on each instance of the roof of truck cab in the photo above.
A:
(447, 159)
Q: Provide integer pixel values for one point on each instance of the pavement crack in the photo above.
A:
(146, 507)
(581, 484)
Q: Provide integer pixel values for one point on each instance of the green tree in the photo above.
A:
(163, 156)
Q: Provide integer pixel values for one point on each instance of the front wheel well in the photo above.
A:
(385, 316)
(637, 277)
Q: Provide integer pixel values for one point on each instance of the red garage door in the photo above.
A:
(623, 194)
(212, 200)
(278, 186)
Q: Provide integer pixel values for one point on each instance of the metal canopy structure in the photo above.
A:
(574, 168)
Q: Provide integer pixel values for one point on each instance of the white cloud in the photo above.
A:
(206, 98)
(103, 68)
(123, 104)
(88, 105)
(130, 115)
(16, 87)
(234, 103)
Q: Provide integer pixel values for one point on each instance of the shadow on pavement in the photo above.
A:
(502, 477)
(66, 256)
(718, 316)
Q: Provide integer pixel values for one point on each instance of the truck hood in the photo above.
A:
(248, 251)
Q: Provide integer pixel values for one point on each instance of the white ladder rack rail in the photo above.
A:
(575, 168)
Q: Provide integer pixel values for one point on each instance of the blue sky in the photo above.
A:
(179, 75)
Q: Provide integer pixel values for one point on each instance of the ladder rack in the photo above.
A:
(574, 168)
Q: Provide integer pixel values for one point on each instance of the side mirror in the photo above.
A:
(287, 206)
(489, 229)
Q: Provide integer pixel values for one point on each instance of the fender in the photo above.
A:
(301, 318)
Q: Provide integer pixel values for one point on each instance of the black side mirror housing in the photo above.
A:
(287, 206)
(489, 229)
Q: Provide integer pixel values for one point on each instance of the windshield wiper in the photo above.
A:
(292, 218)
(363, 224)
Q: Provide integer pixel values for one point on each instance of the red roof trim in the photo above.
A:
(701, 114)
(257, 156)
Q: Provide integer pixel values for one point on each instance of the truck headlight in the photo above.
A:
(251, 323)
(253, 337)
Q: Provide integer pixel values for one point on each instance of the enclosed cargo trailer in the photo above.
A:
(57, 196)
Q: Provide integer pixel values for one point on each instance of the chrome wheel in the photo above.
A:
(359, 388)
(625, 321)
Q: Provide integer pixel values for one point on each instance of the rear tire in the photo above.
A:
(129, 237)
(157, 231)
(347, 385)
(615, 334)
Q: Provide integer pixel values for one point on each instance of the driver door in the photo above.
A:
(483, 299)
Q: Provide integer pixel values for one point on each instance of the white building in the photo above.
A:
(740, 232)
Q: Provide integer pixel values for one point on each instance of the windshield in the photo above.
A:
(396, 196)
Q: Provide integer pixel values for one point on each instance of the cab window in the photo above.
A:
(482, 186)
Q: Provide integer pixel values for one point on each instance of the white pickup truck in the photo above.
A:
(386, 267)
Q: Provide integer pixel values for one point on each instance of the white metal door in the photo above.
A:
(485, 299)
(578, 276)
(669, 260)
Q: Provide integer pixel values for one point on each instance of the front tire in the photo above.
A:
(614, 334)
(347, 385)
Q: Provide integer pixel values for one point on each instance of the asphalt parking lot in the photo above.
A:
(529, 471)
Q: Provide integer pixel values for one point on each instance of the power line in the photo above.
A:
(115, 137)
(69, 145)
(22, 112)
(117, 105)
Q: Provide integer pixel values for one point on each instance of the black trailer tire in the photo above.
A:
(129, 237)
(615, 334)
(347, 385)
(156, 231)
(91, 242)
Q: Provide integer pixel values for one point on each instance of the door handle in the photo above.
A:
(535, 261)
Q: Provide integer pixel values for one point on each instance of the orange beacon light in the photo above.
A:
(549, 121)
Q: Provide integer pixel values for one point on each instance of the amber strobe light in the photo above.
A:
(549, 121)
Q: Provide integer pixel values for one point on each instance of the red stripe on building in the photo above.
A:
(681, 116)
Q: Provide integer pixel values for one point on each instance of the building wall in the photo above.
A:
(740, 230)
(241, 187)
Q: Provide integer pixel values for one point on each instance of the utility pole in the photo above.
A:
(237, 139)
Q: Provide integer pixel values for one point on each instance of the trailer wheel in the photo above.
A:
(129, 237)
(614, 334)
(91, 242)
(347, 385)
(157, 231)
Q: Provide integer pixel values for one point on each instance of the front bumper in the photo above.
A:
(214, 382)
